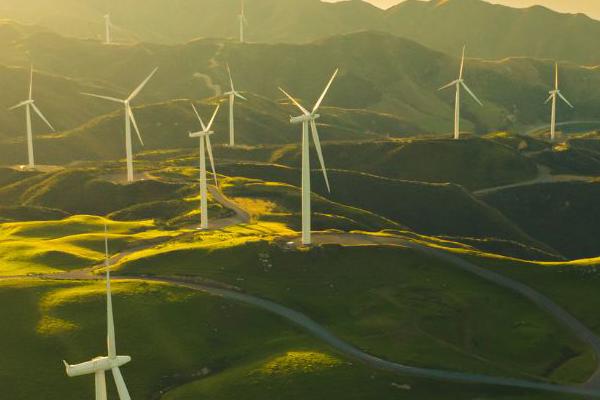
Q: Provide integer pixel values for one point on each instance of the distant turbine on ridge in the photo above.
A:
(129, 119)
(554, 96)
(460, 82)
(107, 30)
(30, 104)
(309, 118)
(204, 136)
(99, 365)
(243, 22)
(232, 95)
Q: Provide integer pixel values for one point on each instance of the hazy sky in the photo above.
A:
(590, 7)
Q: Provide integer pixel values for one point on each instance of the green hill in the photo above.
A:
(563, 215)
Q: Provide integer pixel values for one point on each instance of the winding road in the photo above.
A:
(590, 389)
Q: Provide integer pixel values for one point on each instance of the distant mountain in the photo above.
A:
(490, 31)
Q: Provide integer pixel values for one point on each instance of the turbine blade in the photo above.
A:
(471, 93)
(199, 117)
(315, 136)
(238, 95)
(39, 113)
(462, 63)
(304, 110)
(139, 88)
(565, 100)
(21, 104)
(120, 383)
(453, 83)
(113, 99)
(318, 103)
(212, 120)
(31, 83)
(556, 76)
(549, 98)
(135, 125)
(212, 160)
(230, 78)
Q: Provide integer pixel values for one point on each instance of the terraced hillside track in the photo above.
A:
(544, 176)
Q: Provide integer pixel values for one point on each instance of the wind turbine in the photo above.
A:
(243, 22)
(309, 118)
(204, 136)
(232, 95)
(99, 365)
(129, 119)
(460, 82)
(554, 96)
(107, 29)
(30, 104)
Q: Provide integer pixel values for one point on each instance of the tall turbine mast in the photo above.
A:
(460, 84)
(129, 120)
(232, 94)
(554, 96)
(29, 104)
(242, 21)
(205, 146)
(107, 29)
(308, 121)
(112, 362)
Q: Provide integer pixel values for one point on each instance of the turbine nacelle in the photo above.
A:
(304, 118)
(98, 364)
(201, 134)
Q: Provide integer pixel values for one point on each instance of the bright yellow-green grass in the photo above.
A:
(76, 242)
(172, 334)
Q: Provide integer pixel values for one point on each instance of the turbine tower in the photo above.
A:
(107, 30)
(129, 119)
(554, 96)
(205, 146)
(460, 82)
(309, 118)
(29, 104)
(243, 22)
(99, 365)
(232, 95)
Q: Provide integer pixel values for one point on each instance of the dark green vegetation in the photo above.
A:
(491, 31)
(563, 215)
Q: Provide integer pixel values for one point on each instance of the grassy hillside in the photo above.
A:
(166, 126)
(473, 163)
(563, 215)
(431, 209)
(401, 86)
(356, 297)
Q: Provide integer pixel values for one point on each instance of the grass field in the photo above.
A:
(403, 306)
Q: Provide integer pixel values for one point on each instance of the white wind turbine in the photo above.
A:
(232, 95)
(554, 96)
(129, 119)
(204, 136)
(309, 118)
(243, 22)
(99, 365)
(29, 104)
(107, 29)
(460, 82)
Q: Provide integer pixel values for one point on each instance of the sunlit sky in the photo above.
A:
(590, 7)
